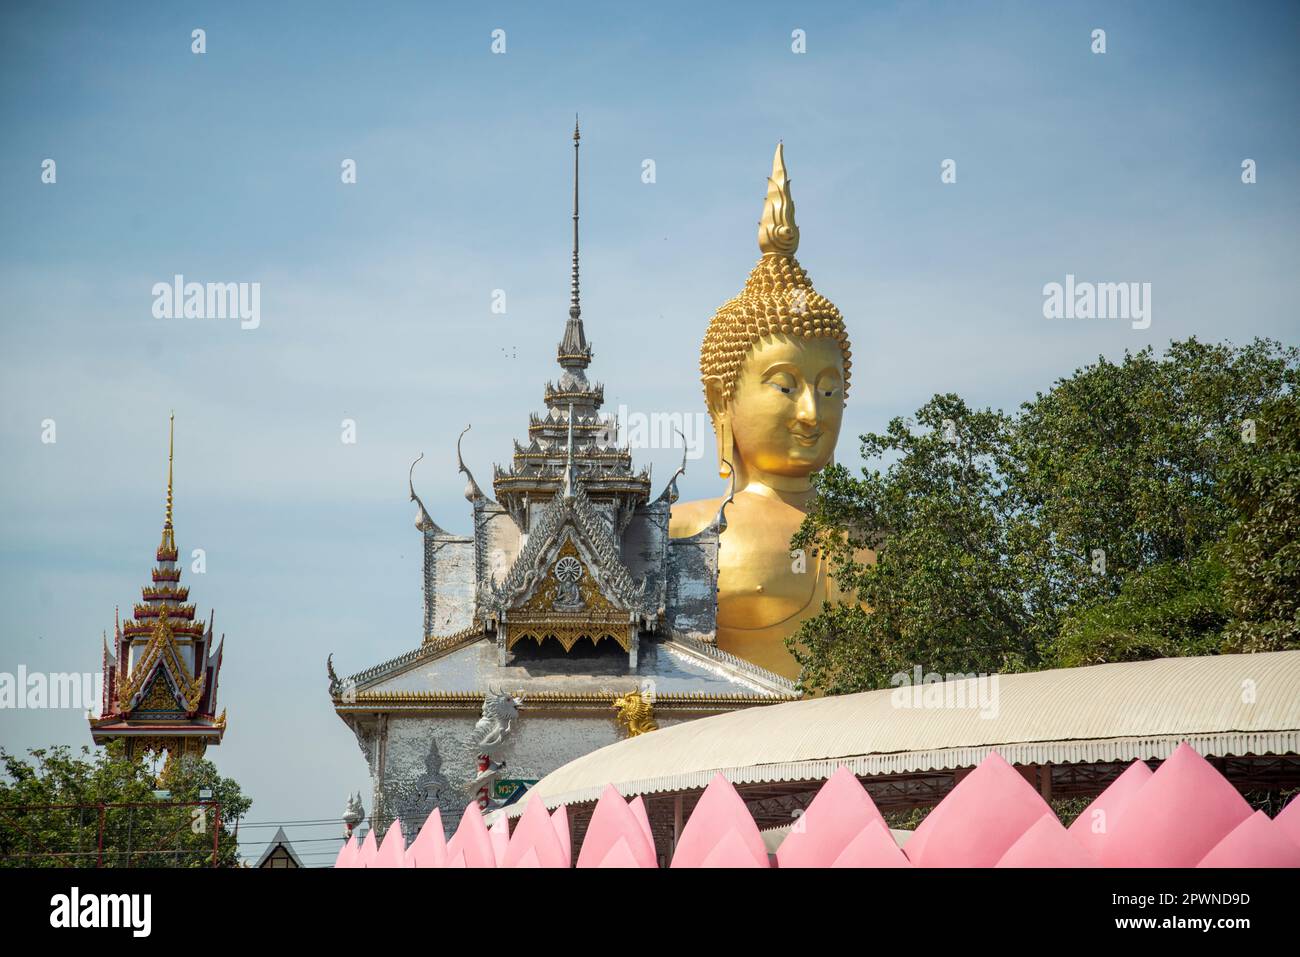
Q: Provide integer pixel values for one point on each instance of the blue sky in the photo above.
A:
(376, 296)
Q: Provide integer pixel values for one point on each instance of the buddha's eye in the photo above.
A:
(782, 382)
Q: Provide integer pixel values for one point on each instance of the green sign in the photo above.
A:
(506, 787)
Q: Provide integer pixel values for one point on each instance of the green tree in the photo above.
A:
(54, 804)
(1118, 467)
(942, 591)
(1120, 474)
(1164, 610)
(1262, 553)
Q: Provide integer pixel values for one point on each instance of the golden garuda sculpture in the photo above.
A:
(775, 366)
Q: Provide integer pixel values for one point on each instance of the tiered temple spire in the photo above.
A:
(541, 468)
(160, 677)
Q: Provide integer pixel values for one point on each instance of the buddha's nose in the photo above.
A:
(806, 407)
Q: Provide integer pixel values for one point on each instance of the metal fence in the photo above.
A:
(129, 834)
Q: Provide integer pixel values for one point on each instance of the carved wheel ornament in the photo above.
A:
(568, 572)
(568, 569)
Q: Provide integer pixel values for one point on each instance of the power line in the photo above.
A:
(335, 821)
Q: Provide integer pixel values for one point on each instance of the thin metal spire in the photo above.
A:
(575, 308)
(574, 351)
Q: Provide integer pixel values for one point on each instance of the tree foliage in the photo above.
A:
(1262, 552)
(54, 804)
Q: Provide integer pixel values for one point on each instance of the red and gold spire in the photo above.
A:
(161, 674)
(166, 592)
(167, 547)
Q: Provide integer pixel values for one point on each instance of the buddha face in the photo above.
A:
(787, 405)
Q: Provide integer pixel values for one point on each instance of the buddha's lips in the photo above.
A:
(804, 438)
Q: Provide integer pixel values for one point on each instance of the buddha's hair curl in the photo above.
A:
(778, 298)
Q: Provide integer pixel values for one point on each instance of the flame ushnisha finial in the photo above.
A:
(777, 233)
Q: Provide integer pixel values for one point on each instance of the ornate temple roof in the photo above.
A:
(573, 508)
(160, 673)
(453, 674)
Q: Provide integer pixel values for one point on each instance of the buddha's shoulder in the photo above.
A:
(691, 518)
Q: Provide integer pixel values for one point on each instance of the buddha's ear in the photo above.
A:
(720, 413)
(715, 398)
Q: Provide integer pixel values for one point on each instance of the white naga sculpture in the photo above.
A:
(488, 738)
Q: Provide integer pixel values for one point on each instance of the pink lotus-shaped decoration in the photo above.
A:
(637, 806)
(1092, 828)
(873, 846)
(429, 849)
(1046, 844)
(499, 835)
(347, 853)
(471, 846)
(392, 852)
(721, 832)
(1255, 842)
(1177, 817)
(979, 819)
(369, 848)
(534, 843)
(616, 836)
(560, 823)
(837, 816)
(1289, 820)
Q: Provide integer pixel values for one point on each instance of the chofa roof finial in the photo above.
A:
(472, 491)
(422, 520)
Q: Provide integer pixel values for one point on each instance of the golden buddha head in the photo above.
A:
(775, 360)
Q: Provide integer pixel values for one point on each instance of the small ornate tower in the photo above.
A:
(160, 676)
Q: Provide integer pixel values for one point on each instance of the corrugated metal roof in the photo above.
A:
(1222, 704)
